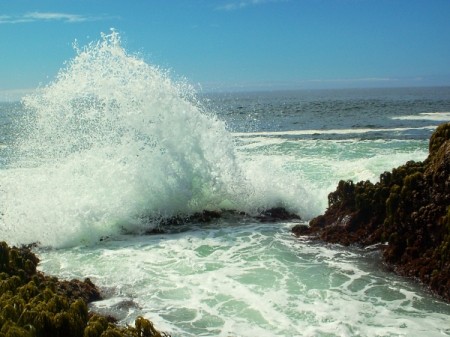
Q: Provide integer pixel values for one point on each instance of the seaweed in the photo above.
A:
(35, 305)
(409, 209)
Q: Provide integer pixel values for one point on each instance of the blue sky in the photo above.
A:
(238, 44)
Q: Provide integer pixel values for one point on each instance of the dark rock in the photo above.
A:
(76, 289)
(205, 216)
(33, 304)
(277, 214)
(409, 209)
(175, 223)
(301, 230)
(127, 304)
(155, 231)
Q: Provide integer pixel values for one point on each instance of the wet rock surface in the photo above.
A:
(409, 209)
(34, 305)
(176, 223)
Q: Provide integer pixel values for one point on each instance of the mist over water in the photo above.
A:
(113, 144)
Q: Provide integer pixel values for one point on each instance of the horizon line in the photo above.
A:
(16, 95)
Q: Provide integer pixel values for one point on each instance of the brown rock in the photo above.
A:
(409, 208)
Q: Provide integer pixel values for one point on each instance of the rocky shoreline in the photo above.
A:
(407, 214)
(35, 305)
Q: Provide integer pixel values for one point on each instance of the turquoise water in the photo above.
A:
(113, 146)
(247, 279)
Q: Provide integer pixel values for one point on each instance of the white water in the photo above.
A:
(113, 144)
(247, 279)
(433, 116)
(336, 131)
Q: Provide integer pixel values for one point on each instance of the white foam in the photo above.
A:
(113, 143)
(429, 116)
(327, 132)
(235, 280)
(110, 142)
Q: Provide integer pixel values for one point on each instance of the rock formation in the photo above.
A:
(408, 211)
(35, 305)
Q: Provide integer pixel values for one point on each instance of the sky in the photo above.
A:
(220, 45)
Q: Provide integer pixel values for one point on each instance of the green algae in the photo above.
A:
(35, 305)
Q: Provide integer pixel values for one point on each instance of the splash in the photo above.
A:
(111, 142)
(115, 144)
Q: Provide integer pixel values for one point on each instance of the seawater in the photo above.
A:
(113, 146)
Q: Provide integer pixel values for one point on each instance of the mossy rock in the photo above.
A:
(439, 137)
(35, 305)
(409, 207)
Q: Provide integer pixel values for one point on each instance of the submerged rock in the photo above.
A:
(35, 305)
(277, 214)
(274, 214)
(409, 209)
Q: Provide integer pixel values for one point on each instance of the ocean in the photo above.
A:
(114, 147)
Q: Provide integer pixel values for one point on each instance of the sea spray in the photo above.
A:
(110, 142)
(112, 145)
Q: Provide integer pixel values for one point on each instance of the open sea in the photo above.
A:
(113, 147)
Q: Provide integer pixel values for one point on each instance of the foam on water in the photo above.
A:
(320, 164)
(114, 144)
(251, 280)
(335, 131)
(431, 116)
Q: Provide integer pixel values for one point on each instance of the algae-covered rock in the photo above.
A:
(409, 208)
(35, 305)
